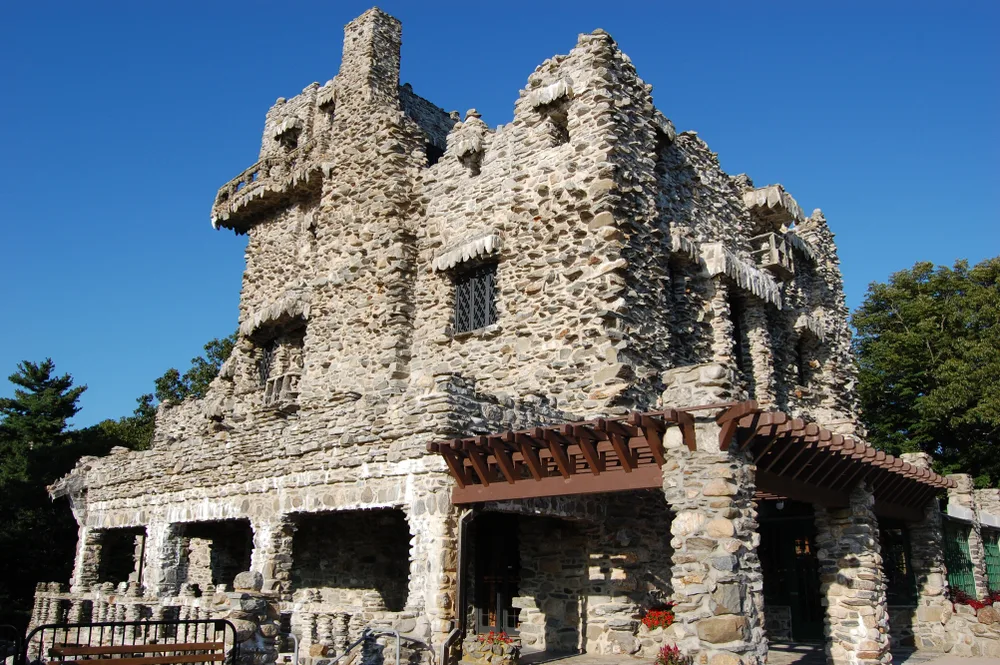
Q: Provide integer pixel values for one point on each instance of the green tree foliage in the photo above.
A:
(928, 349)
(36, 536)
(136, 431)
(175, 387)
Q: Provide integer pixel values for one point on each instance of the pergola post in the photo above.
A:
(853, 582)
(716, 576)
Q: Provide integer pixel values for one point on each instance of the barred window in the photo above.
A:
(475, 298)
(266, 362)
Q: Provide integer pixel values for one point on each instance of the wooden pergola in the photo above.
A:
(795, 459)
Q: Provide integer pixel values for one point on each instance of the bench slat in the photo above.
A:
(66, 650)
(149, 660)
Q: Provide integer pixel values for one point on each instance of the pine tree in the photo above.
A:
(36, 536)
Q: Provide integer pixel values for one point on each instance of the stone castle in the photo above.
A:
(414, 277)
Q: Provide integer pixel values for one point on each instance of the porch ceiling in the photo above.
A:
(795, 459)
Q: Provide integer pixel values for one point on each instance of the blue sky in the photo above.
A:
(120, 121)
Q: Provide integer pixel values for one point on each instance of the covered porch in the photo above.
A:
(715, 474)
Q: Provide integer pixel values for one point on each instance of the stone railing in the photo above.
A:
(282, 392)
(252, 613)
(326, 630)
(772, 252)
(263, 185)
(55, 603)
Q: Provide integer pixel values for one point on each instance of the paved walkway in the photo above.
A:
(778, 654)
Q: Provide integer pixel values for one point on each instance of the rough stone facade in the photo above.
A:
(628, 271)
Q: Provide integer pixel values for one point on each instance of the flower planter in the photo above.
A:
(491, 649)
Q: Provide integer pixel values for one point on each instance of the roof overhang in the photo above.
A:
(795, 459)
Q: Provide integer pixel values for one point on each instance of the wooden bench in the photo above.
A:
(139, 654)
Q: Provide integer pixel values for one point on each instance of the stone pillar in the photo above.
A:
(433, 589)
(851, 578)
(716, 576)
(761, 352)
(927, 558)
(86, 566)
(962, 504)
(164, 558)
(272, 554)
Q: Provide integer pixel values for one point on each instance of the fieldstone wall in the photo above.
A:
(851, 578)
(619, 245)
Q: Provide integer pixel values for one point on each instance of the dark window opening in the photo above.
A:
(473, 161)
(357, 558)
(216, 552)
(556, 123)
(475, 298)
(741, 342)
(434, 154)
(121, 555)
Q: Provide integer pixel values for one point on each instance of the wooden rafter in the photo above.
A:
(795, 459)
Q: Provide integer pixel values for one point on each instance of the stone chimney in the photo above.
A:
(369, 69)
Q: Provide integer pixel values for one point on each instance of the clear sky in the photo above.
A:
(120, 120)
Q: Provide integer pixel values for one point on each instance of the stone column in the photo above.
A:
(851, 578)
(934, 610)
(272, 553)
(716, 576)
(433, 590)
(86, 567)
(962, 504)
(761, 354)
(164, 558)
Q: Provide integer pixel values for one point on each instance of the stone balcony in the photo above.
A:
(266, 185)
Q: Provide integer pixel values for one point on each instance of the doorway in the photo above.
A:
(498, 568)
(791, 568)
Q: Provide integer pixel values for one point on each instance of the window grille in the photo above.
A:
(266, 363)
(957, 558)
(991, 542)
(901, 587)
(475, 298)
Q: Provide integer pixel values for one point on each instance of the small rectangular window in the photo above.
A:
(266, 362)
(475, 298)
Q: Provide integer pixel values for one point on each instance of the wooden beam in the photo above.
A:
(479, 464)
(502, 456)
(455, 466)
(686, 422)
(623, 452)
(646, 477)
(530, 455)
(800, 491)
(897, 511)
(654, 435)
(558, 453)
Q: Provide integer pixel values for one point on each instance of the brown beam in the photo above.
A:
(646, 477)
(800, 491)
(896, 511)
(558, 453)
(530, 455)
(504, 461)
(455, 466)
